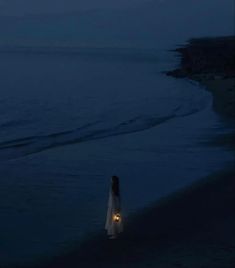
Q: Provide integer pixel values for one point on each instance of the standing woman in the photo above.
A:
(114, 224)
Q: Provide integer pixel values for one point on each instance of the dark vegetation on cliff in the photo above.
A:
(215, 56)
(211, 61)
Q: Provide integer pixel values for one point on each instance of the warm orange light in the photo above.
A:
(117, 217)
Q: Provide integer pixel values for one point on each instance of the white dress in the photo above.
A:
(114, 221)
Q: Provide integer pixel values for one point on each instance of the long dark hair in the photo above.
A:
(115, 185)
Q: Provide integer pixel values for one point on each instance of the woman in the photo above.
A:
(114, 224)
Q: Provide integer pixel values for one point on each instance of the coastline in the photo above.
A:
(190, 228)
(211, 62)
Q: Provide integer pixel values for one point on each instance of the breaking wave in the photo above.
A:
(21, 147)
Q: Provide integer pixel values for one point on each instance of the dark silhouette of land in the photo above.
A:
(211, 61)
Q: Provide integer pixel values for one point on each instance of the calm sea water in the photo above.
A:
(72, 118)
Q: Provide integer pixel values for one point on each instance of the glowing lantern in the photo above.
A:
(117, 217)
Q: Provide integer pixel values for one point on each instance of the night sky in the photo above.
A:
(138, 23)
(22, 7)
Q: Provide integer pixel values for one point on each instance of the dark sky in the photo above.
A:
(20, 7)
(148, 23)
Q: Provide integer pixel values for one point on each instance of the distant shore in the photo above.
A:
(211, 61)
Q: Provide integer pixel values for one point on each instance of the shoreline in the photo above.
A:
(211, 62)
(190, 228)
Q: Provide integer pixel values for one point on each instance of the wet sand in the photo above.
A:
(192, 228)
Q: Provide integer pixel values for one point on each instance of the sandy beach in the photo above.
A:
(190, 228)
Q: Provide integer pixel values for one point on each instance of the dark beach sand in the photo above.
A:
(191, 228)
